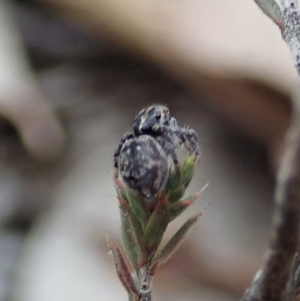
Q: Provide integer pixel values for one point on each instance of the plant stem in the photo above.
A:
(291, 29)
(270, 282)
(145, 280)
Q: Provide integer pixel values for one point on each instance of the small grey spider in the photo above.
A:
(143, 153)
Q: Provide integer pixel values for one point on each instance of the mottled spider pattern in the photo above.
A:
(143, 165)
(142, 154)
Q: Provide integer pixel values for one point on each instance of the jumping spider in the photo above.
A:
(142, 155)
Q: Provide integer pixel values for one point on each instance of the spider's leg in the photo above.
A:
(168, 132)
(117, 152)
(184, 139)
(190, 141)
(137, 122)
(170, 150)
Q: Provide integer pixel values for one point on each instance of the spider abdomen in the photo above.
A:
(143, 165)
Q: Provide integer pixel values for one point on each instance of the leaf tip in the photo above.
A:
(119, 184)
(196, 217)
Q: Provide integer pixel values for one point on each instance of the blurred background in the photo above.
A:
(73, 75)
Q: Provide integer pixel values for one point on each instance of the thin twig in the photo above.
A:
(287, 17)
(145, 284)
(270, 282)
(278, 279)
(292, 288)
(291, 30)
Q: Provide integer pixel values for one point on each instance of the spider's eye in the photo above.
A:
(157, 116)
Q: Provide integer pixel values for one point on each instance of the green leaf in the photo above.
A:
(131, 298)
(156, 226)
(138, 241)
(134, 201)
(188, 169)
(168, 250)
(272, 10)
(123, 270)
(128, 241)
(132, 237)
(177, 182)
(176, 193)
(137, 207)
(173, 181)
(120, 188)
(177, 208)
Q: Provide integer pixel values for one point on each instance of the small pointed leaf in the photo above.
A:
(137, 207)
(126, 234)
(178, 181)
(156, 226)
(131, 298)
(168, 250)
(173, 182)
(132, 237)
(123, 270)
(137, 235)
(120, 188)
(188, 169)
(134, 201)
(177, 208)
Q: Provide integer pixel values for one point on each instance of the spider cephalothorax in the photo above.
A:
(157, 122)
(156, 135)
(151, 118)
